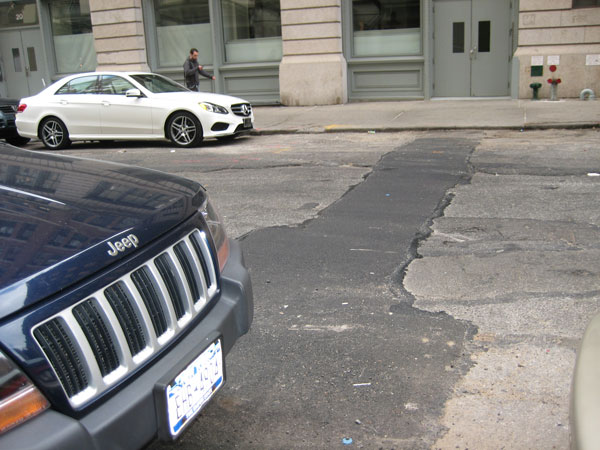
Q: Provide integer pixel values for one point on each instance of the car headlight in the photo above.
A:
(211, 107)
(20, 400)
(217, 231)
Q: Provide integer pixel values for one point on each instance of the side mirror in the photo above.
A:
(133, 93)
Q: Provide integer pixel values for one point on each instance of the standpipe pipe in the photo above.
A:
(587, 94)
(554, 82)
(536, 87)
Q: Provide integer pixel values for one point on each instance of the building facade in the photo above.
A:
(311, 52)
(564, 34)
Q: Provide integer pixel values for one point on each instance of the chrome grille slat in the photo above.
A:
(165, 298)
(98, 341)
(237, 109)
(199, 237)
(172, 284)
(192, 276)
(61, 352)
(144, 314)
(96, 332)
(120, 339)
(119, 299)
(198, 248)
(189, 298)
(143, 282)
(203, 281)
(84, 350)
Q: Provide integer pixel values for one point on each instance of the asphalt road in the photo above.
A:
(517, 255)
(413, 290)
(335, 339)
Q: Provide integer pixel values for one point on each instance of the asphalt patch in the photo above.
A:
(336, 350)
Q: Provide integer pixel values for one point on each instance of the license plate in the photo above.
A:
(195, 385)
(247, 123)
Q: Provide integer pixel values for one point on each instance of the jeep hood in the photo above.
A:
(59, 214)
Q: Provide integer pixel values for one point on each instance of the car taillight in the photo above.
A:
(20, 400)
(21, 107)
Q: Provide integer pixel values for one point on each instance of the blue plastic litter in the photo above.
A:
(347, 441)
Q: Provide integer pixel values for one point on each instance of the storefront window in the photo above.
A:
(180, 26)
(18, 14)
(386, 27)
(72, 33)
(585, 3)
(252, 30)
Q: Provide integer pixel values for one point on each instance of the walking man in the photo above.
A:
(192, 71)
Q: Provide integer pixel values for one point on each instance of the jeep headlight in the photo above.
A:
(217, 231)
(20, 400)
(211, 107)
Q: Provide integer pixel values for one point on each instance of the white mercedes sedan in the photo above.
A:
(129, 105)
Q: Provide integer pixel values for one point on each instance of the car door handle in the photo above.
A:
(105, 103)
(64, 102)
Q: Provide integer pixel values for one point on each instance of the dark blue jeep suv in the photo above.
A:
(8, 128)
(120, 295)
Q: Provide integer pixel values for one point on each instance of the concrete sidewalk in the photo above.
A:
(428, 115)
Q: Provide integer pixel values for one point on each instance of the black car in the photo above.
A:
(120, 296)
(8, 129)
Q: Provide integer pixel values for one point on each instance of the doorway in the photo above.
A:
(21, 63)
(472, 48)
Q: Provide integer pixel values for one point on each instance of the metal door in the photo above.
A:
(21, 62)
(471, 48)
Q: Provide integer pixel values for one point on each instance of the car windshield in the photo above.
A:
(158, 84)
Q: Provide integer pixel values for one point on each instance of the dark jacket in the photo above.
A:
(191, 73)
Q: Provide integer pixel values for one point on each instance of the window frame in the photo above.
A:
(151, 29)
(103, 77)
(89, 59)
(349, 38)
(72, 80)
(21, 15)
(233, 47)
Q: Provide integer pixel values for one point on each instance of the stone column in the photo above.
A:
(119, 38)
(313, 67)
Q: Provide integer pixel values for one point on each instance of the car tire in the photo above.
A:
(17, 141)
(184, 129)
(54, 134)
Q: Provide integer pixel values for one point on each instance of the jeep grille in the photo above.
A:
(96, 343)
(10, 109)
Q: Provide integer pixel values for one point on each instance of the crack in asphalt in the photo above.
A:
(426, 230)
(286, 166)
(519, 296)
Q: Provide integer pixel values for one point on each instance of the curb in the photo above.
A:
(526, 127)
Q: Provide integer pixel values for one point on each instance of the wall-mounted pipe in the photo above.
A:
(587, 94)
(535, 87)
